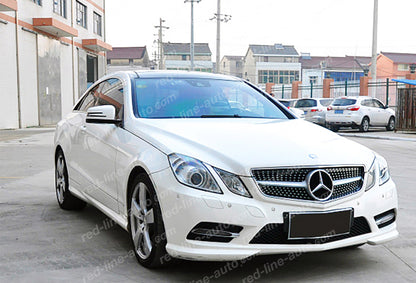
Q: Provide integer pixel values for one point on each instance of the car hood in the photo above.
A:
(238, 145)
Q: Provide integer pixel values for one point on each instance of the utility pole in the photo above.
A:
(192, 47)
(220, 18)
(373, 69)
(160, 41)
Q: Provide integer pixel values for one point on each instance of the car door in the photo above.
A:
(383, 115)
(99, 145)
(74, 158)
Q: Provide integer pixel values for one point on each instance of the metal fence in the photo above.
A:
(311, 90)
(282, 91)
(347, 88)
(406, 109)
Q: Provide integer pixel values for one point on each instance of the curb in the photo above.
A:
(377, 137)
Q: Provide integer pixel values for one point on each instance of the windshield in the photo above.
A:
(343, 102)
(201, 98)
(305, 103)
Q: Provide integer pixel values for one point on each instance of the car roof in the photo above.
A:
(147, 74)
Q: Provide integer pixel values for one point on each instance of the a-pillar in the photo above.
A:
(364, 85)
(410, 77)
(295, 89)
(326, 91)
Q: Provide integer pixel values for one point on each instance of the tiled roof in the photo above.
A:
(328, 62)
(184, 49)
(274, 50)
(126, 53)
(405, 58)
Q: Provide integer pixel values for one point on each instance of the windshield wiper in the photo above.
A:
(221, 116)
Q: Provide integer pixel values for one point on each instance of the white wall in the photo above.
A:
(8, 77)
(66, 80)
(28, 78)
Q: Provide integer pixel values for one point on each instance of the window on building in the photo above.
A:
(313, 79)
(59, 7)
(81, 14)
(183, 57)
(403, 67)
(265, 59)
(97, 24)
(39, 2)
(277, 77)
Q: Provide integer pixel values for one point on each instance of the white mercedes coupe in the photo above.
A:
(189, 173)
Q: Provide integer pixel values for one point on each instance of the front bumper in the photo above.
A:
(183, 208)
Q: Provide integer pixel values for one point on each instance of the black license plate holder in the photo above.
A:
(315, 225)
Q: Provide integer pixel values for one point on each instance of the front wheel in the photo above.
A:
(65, 199)
(365, 125)
(146, 224)
(391, 124)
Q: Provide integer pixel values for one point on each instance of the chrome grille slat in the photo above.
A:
(290, 183)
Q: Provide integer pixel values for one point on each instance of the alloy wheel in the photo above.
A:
(60, 178)
(142, 220)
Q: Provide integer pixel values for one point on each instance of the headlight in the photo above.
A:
(233, 183)
(192, 172)
(384, 174)
(378, 169)
(371, 180)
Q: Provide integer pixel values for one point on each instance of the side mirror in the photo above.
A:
(104, 114)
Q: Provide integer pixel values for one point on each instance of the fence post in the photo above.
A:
(326, 88)
(364, 86)
(346, 88)
(311, 89)
(295, 89)
(283, 91)
(387, 91)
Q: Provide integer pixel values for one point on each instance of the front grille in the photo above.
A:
(291, 182)
(274, 233)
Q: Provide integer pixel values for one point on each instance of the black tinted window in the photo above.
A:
(305, 103)
(377, 104)
(285, 103)
(89, 100)
(344, 102)
(111, 93)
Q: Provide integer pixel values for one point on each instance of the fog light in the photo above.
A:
(385, 219)
(214, 232)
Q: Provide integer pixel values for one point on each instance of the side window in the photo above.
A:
(111, 93)
(377, 104)
(365, 103)
(88, 100)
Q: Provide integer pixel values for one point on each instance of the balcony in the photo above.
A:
(96, 45)
(54, 27)
(8, 5)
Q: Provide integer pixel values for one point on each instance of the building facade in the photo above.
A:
(394, 65)
(315, 68)
(232, 65)
(278, 64)
(128, 59)
(51, 52)
(177, 56)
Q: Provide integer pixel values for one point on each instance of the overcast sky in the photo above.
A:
(320, 27)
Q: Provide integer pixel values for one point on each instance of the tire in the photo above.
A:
(391, 125)
(365, 125)
(146, 228)
(66, 200)
(334, 128)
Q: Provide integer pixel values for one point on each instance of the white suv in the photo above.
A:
(314, 109)
(359, 112)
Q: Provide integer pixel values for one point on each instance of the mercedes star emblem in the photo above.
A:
(320, 185)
